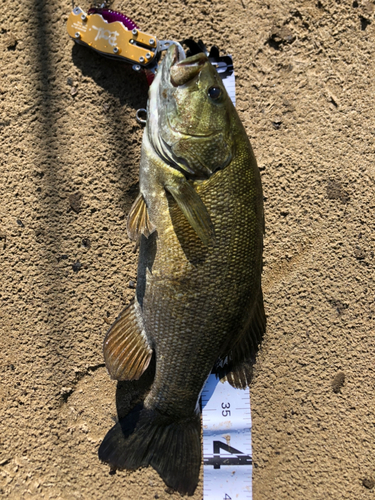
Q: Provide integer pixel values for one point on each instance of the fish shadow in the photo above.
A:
(147, 254)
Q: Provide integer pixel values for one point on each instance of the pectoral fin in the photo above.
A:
(127, 352)
(138, 220)
(194, 210)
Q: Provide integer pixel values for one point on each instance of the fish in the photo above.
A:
(198, 306)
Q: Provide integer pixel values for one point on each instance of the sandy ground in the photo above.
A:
(70, 149)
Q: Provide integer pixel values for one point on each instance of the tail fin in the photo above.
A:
(146, 437)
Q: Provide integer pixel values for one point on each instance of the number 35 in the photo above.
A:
(225, 412)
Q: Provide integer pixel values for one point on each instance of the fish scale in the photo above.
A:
(215, 291)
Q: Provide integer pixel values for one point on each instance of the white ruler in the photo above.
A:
(227, 457)
(229, 84)
(227, 77)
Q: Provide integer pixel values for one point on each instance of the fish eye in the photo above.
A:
(214, 93)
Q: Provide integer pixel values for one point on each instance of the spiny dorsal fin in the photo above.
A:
(138, 220)
(194, 210)
(127, 352)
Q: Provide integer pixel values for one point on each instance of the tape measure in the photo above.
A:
(227, 460)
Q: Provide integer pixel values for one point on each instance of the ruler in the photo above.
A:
(224, 66)
(227, 457)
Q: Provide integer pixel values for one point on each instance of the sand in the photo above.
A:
(70, 150)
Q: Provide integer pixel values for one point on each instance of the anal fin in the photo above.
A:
(127, 352)
(138, 222)
(236, 364)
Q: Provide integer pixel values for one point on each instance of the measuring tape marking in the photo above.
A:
(227, 458)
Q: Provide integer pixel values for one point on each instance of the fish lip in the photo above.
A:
(199, 59)
(184, 71)
(177, 55)
(174, 55)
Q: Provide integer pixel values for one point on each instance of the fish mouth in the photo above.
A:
(184, 70)
(180, 70)
(177, 55)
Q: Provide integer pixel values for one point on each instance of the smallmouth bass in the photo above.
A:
(198, 305)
